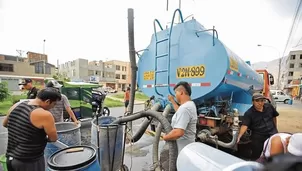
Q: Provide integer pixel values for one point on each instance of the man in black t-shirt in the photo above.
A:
(261, 120)
(27, 85)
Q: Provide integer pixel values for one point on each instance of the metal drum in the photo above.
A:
(68, 133)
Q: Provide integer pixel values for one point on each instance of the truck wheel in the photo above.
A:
(286, 101)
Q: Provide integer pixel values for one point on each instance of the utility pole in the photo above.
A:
(44, 47)
(279, 73)
(20, 54)
(44, 54)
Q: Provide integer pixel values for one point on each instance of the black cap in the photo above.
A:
(186, 85)
(258, 96)
(25, 81)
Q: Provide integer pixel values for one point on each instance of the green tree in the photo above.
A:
(4, 93)
(56, 77)
(67, 79)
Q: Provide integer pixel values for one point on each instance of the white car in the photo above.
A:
(280, 96)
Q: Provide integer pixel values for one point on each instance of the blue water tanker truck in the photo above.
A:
(222, 83)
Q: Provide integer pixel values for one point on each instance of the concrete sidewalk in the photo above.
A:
(136, 102)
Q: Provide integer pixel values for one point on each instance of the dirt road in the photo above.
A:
(290, 118)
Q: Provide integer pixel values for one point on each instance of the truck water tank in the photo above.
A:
(201, 157)
(191, 53)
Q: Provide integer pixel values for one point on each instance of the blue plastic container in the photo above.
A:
(111, 142)
(290, 102)
(68, 133)
(82, 160)
(77, 112)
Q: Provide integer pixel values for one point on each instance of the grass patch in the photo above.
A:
(80, 86)
(108, 103)
(6, 104)
(138, 96)
(113, 103)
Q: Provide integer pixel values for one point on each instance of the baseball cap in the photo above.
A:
(258, 96)
(186, 85)
(54, 84)
(295, 144)
(25, 81)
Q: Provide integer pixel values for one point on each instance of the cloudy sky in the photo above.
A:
(97, 30)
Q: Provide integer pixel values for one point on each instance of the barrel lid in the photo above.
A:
(72, 158)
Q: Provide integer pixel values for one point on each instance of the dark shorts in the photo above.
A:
(126, 103)
(18, 165)
(257, 145)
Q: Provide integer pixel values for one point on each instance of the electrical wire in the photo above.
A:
(292, 26)
(129, 133)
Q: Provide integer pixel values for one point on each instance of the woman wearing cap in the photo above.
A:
(57, 111)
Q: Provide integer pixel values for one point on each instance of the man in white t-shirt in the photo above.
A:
(185, 119)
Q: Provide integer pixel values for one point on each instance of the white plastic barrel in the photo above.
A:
(201, 157)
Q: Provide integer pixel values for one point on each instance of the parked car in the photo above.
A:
(280, 96)
(109, 90)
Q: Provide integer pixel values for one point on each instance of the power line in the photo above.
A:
(292, 26)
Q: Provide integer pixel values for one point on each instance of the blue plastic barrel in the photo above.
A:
(68, 133)
(111, 142)
(290, 102)
(77, 112)
(83, 158)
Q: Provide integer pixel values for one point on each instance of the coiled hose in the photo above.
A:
(140, 132)
(173, 151)
(159, 128)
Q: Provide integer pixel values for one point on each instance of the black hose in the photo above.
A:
(140, 132)
(159, 127)
(173, 150)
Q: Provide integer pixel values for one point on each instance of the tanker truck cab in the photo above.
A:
(268, 80)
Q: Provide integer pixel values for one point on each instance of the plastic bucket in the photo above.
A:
(68, 133)
(3, 162)
(290, 102)
(111, 142)
(82, 158)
